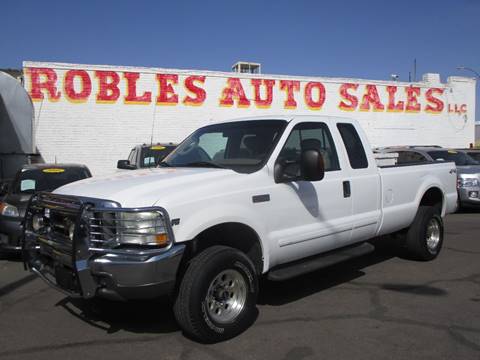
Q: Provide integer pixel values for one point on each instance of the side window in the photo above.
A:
(309, 136)
(407, 157)
(354, 146)
(213, 144)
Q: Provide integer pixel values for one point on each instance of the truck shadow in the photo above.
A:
(284, 292)
(13, 257)
(156, 316)
(153, 316)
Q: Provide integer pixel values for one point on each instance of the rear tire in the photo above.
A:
(424, 237)
(217, 296)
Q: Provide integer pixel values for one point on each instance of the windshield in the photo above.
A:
(243, 146)
(46, 179)
(152, 155)
(460, 158)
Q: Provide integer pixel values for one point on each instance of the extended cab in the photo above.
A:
(237, 200)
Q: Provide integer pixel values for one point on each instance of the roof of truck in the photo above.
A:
(287, 118)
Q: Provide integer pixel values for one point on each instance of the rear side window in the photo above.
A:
(410, 157)
(354, 146)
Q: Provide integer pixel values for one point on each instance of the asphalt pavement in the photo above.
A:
(379, 306)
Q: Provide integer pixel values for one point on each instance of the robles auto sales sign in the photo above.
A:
(95, 114)
(77, 86)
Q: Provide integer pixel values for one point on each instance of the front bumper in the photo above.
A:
(10, 233)
(81, 268)
(469, 196)
(116, 277)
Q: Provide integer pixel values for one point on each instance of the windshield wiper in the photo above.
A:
(164, 164)
(203, 164)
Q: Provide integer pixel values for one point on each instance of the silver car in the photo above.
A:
(468, 169)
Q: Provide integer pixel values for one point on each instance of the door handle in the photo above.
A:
(347, 192)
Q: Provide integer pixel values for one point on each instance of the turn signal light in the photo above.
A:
(161, 239)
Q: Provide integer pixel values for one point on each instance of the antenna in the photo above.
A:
(153, 122)
(36, 122)
(415, 69)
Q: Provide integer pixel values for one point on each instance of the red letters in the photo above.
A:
(108, 91)
(200, 94)
(132, 97)
(167, 95)
(234, 90)
(352, 99)
(312, 104)
(48, 84)
(259, 102)
(400, 106)
(290, 86)
(412, 101)
(438, 104)
(69, 86)
(371, 97)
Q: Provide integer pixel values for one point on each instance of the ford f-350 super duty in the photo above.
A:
(237, 200)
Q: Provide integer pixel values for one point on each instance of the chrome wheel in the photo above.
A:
(226, 296)
(433, 234)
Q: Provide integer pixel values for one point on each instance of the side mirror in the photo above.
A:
(310, 168)
(125, 164)
(312, 165)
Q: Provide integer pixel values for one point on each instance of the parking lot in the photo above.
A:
(376, 307)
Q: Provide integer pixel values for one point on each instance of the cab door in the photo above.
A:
(310, 217)
(363, 181)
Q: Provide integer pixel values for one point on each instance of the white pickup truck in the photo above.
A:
(274, 197)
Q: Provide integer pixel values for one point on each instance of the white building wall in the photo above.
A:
(97, 133)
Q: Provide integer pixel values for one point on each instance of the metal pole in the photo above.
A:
(469, 69)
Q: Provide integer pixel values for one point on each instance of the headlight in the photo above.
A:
(141, 228)
(8, 210)
(468, 182)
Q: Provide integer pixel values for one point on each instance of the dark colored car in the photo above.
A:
(474, 153)
(28, 180)
(145, 156)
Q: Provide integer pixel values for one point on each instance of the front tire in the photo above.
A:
(425, 236)
(217, 296)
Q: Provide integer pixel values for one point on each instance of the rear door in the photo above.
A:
(364, 183)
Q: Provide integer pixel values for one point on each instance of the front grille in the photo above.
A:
(58, 216)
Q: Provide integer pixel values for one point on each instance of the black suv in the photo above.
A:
(28, 180)
(145, 156)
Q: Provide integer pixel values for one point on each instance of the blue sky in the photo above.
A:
(365, 39)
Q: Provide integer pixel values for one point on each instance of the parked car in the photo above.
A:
(468, 169)
(235, 201)
(474, 153)
(146, 156)
(28, 180)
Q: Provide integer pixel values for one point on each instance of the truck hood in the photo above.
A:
(139, 188)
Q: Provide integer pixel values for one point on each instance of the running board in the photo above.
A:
(321, 261)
